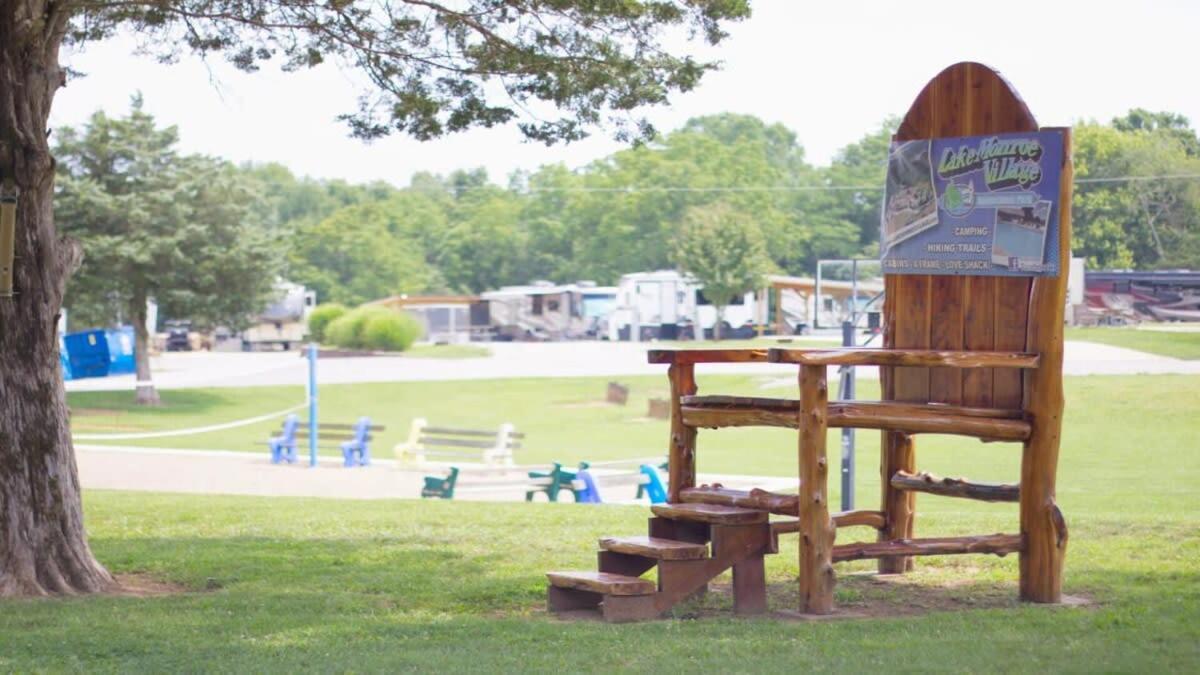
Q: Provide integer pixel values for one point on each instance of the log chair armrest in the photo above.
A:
(921, 358)
(689, 356)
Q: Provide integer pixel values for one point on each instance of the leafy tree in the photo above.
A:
(725, 251)
(354, 256)
(433, 69)
(1140, 223)
(158, 225)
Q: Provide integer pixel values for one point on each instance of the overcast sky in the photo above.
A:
(830, 71)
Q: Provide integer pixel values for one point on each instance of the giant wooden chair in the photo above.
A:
(972, 356)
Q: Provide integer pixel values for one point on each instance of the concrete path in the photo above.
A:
(241, 473)
(563, 359)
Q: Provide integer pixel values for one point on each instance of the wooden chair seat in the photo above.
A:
(993, 424)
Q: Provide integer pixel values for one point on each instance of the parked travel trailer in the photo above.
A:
(445, 319)
(667, 305)
(798, 307)
(284, 322)
(546, 311)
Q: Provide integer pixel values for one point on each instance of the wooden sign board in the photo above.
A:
(973, 205)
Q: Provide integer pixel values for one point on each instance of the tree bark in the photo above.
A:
(43, 546)
(146, 393)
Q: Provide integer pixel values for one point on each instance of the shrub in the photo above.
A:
(346, 331)
(393, 332)
(321, 317)
(373, 328)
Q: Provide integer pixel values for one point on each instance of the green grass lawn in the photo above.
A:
(565, 419)
(303, 584)
(283, 585)
(1177, 344)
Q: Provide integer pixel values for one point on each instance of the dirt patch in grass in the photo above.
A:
(142, 585)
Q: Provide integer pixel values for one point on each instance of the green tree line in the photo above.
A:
(462, 232)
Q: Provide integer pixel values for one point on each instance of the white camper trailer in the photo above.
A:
(284, 322)
(667, 305)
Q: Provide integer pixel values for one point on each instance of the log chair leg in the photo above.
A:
(899, 506)
(816, 528)
(1043, 528)
(681, 457)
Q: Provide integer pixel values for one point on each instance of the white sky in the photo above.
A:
(831, 71)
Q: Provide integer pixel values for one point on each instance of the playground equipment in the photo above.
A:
(492, 448)
(974, 350)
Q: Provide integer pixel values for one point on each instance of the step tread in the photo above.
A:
(714, 514)
(602, 582)
(655, 547)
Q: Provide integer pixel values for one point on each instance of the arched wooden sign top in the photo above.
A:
(974, 313)
(966, 99)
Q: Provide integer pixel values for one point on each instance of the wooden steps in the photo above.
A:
(712, 514)
(655, 548)
(690, 545)
(603, 583)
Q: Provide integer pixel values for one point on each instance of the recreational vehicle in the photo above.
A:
(667, 305)
(546, 311)
(284, 322)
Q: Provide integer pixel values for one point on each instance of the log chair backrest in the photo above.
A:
(973, 313)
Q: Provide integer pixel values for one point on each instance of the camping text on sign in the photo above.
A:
(983, 205)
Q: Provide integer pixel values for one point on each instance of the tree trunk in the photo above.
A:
(43, 546)
(717, 325)
(146, 393)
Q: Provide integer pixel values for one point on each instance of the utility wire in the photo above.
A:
(823, 188)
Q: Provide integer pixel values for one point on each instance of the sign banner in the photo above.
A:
(981, 205)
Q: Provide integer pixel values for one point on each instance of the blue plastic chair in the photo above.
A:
(283, 446)
(357, 452)
(654, 487)
(590, 494)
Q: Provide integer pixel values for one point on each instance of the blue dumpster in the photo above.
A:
(87, 353)
(63, 360)
(120, 350)
(97, 353)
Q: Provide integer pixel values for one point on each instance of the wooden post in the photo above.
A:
(899, 506)
(1042, 525)
(780, 324)
(816, 528)
(681, 455)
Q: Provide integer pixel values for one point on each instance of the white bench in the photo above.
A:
(491, 448)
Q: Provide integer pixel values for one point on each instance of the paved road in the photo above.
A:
(571, 359)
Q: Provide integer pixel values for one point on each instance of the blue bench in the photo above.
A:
(355, 440)
(283, 446)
